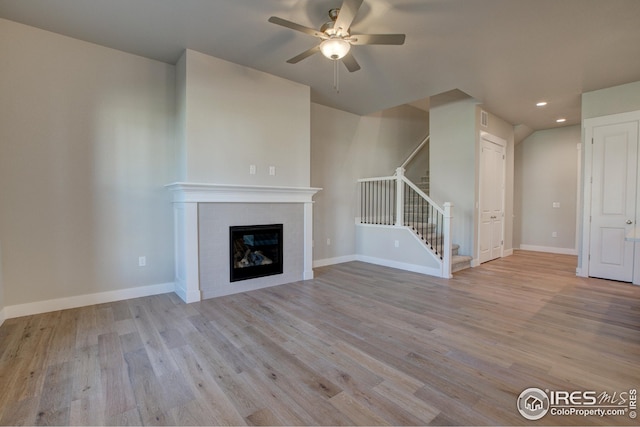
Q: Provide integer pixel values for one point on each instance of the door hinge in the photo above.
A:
(592, 141)
(503, 157)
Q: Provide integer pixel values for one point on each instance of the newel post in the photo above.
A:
(399, 196)
(446, 233)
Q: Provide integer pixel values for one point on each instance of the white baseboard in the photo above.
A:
(38, 307)
(332, 261)
(2, 317)
(507, 252)
(400, 265)
(549, 249)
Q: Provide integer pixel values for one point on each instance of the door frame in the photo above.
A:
(587, 144)
(502, 143)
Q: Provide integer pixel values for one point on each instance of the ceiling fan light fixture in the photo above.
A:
(335, 48)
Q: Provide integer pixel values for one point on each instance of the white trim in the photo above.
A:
(185, 192)
(400, 265)
(549, 249)
(2, 316)
(507, 252)
(308, 242)
(38, 307)
(332, 261)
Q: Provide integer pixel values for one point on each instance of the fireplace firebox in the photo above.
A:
(255, 251)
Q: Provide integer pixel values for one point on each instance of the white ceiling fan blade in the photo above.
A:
(347, 14)
(297, 27)
(303, 55)
(389, 39)
(350, 62)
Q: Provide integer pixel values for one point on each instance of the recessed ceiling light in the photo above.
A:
(561, 120)
(541, 104)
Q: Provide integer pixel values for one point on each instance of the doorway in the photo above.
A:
(611, 160)
(491, 197)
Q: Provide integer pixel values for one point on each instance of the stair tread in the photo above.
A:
(460, 262)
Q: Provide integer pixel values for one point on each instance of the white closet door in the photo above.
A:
(613, 200)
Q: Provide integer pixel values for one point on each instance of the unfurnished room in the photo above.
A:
(319, 212)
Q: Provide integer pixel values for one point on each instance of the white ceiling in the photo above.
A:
(508, 54)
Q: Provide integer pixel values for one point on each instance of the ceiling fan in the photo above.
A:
(336, 37)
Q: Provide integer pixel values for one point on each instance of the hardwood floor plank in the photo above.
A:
(360, 414)
(87, 411)
(116, 387)
(148, 390)
(215, 404)
(19, 412)
(157, 351)
(55, 401)
(86, 375)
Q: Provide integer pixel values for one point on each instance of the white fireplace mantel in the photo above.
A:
(186, 192)
(187, 196)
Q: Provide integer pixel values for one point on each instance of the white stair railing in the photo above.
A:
(396, 201)
(416, 151)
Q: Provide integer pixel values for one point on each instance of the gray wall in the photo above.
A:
(344, 148)
(234, 117)
(86, 146)
(453, 165)
(546, 167)
(613, 100)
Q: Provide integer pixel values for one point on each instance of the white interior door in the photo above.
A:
(491, 205)
(613, 200)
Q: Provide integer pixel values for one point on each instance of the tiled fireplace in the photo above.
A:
(204, 215)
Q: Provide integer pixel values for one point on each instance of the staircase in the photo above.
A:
(424, 230)
(394, 202)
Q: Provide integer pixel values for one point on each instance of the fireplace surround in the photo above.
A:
(203, 214)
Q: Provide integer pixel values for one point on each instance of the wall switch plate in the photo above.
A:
(142, 261)
(272, 170)
(328, 241)
(252, 169)
(554, 234)
(396, 243)
(556, 204)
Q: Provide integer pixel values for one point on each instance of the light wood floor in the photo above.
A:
(360, 344)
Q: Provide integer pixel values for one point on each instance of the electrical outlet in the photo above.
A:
(272, 170)
(252, 169)
(396, 243)
(142, 261)
(554, 234)
(328, 241)
(556, 204)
